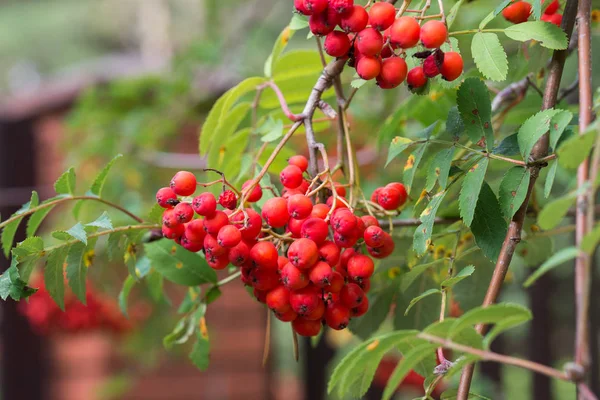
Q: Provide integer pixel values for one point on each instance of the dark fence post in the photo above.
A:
(23, 358)
(540, 334)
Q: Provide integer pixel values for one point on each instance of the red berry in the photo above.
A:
(217, 262)
(321, 274)
(433, 34)
(320, 211)
(431, 68)
(293, 278)
(381, 15)
(191, 245)
(339, 189)
(183, 212)
(361, 309)
(256, 193)
(261, 295)
(250, 227)
(174, 232)
(194, 230)
(299, 5)
(552, 8)
(169, 218)
(317, 313)
(360, 267)
(228, 199)
(275, 212)
(402, 189)
(341, 6)
(278, 299)
(555, 19)
(337, 44)
(369, 220)
(337, 315)
(303, 253)
(517, 12)
(329, 252)
(368, 67)
(264, 279)
(385, 250)
(212, 247)
(281, 262)
(299, 161)
(239, 254)
(287, 316)
(374, 236)
(405, 32)
(389, 198)
(355, 19)
(315, 6)
(393, 72)
(304, 301)
(214, 223)
(183, 183)
(343, 221)
(291, 177)
(264, 255)
(315, 229)
(345, 240)
(336, 283)
(375, 194)
(346, 255)
(205, 204)
(369, 42)
(229, 236)
(452, 66)
(416, 78)
(299, 206)
(166, 197)
(306, 327)
(295, 227)
(323, 23)
(352, 295)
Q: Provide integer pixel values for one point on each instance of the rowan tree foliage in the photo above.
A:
(414, 265)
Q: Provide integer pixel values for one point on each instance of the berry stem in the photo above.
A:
(71, 198)
(470, 31)
(284, 106)
(223, 180)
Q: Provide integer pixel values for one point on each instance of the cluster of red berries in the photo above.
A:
(519, 11)
(370, 40)
(99, 313)
(322, 276)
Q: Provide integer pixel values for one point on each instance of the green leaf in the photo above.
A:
(298, 22)
(471, 187)
(65, 184)
(475, 108)
(271, 130)
(501, 7)
(533, 129)
(407, 363)
(492, 314)
(78, 232)
(10, 229)
(30, 246)
(398, 145)
(509, 146)
(379, 308)
(420, 297)
(558, 124)
(489, 56)
(77, 270)
(424, 231)
(439, 168)
(556, 260)
(513, 190)
(36, 219)
(179, 265)
(466, 336)
(453, 13)
(124, 294)
(98, 184)
(488, 227)
(549, 35)
(155, 214)
(280, 44)
(555, 211)
(537, 9)
(504, 325)
(217, 155)
(454, 123)
(12, 285)
(200, 354)
(103, 222)
(416, 271)
(54, 277)
(155, 283)
(590, 240)
(463, 274)
(412, 164)
(358, 83)
(452, 394)
(550, 178)
(354, 373)
(576, 149)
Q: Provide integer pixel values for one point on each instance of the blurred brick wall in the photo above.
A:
(80, 364)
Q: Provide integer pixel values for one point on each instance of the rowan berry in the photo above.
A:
(306, 327)
(264, 279)
(369, 42)
(303, 253)
(385, 250)
(323, 23)
(369, 220)
(194, 230)
(360, 267)
(315, 6)
(389, 198)
(433, 34)
(431, 67)
(291, 177)
(217, 262)
(256, 193)
(329, 252)
(294, 226)
(517, 12)
(288, 316)
(320, 211)
(321, 274)
(183, 212)
(374, 236)
(173, 232)
(204, 204)
(336, 283)
(555, 19)
(190, 245)
(304, 301)
(343, 221)
(299, 206)
(315, 229)
(368, 67)
(260, 295)
(400, 188)
(552, 8)
(337, 44)
(212, 246)
(360, 309)
(278, 299)
(264, 255)
(405, 32)
(293, 278)
(214, 223)
(352, 295)
(416, 78)
(239, 254)
(354, 20)
(299, 161)
(166, 197)
(382, 15)
(393, 72)
(317, 313)
(341, 6)
(169, 218)
(299, 6)
(345, 240)
(275, 212)
(229, 236)
(337, 316)
(183, 183)
(452, 66)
